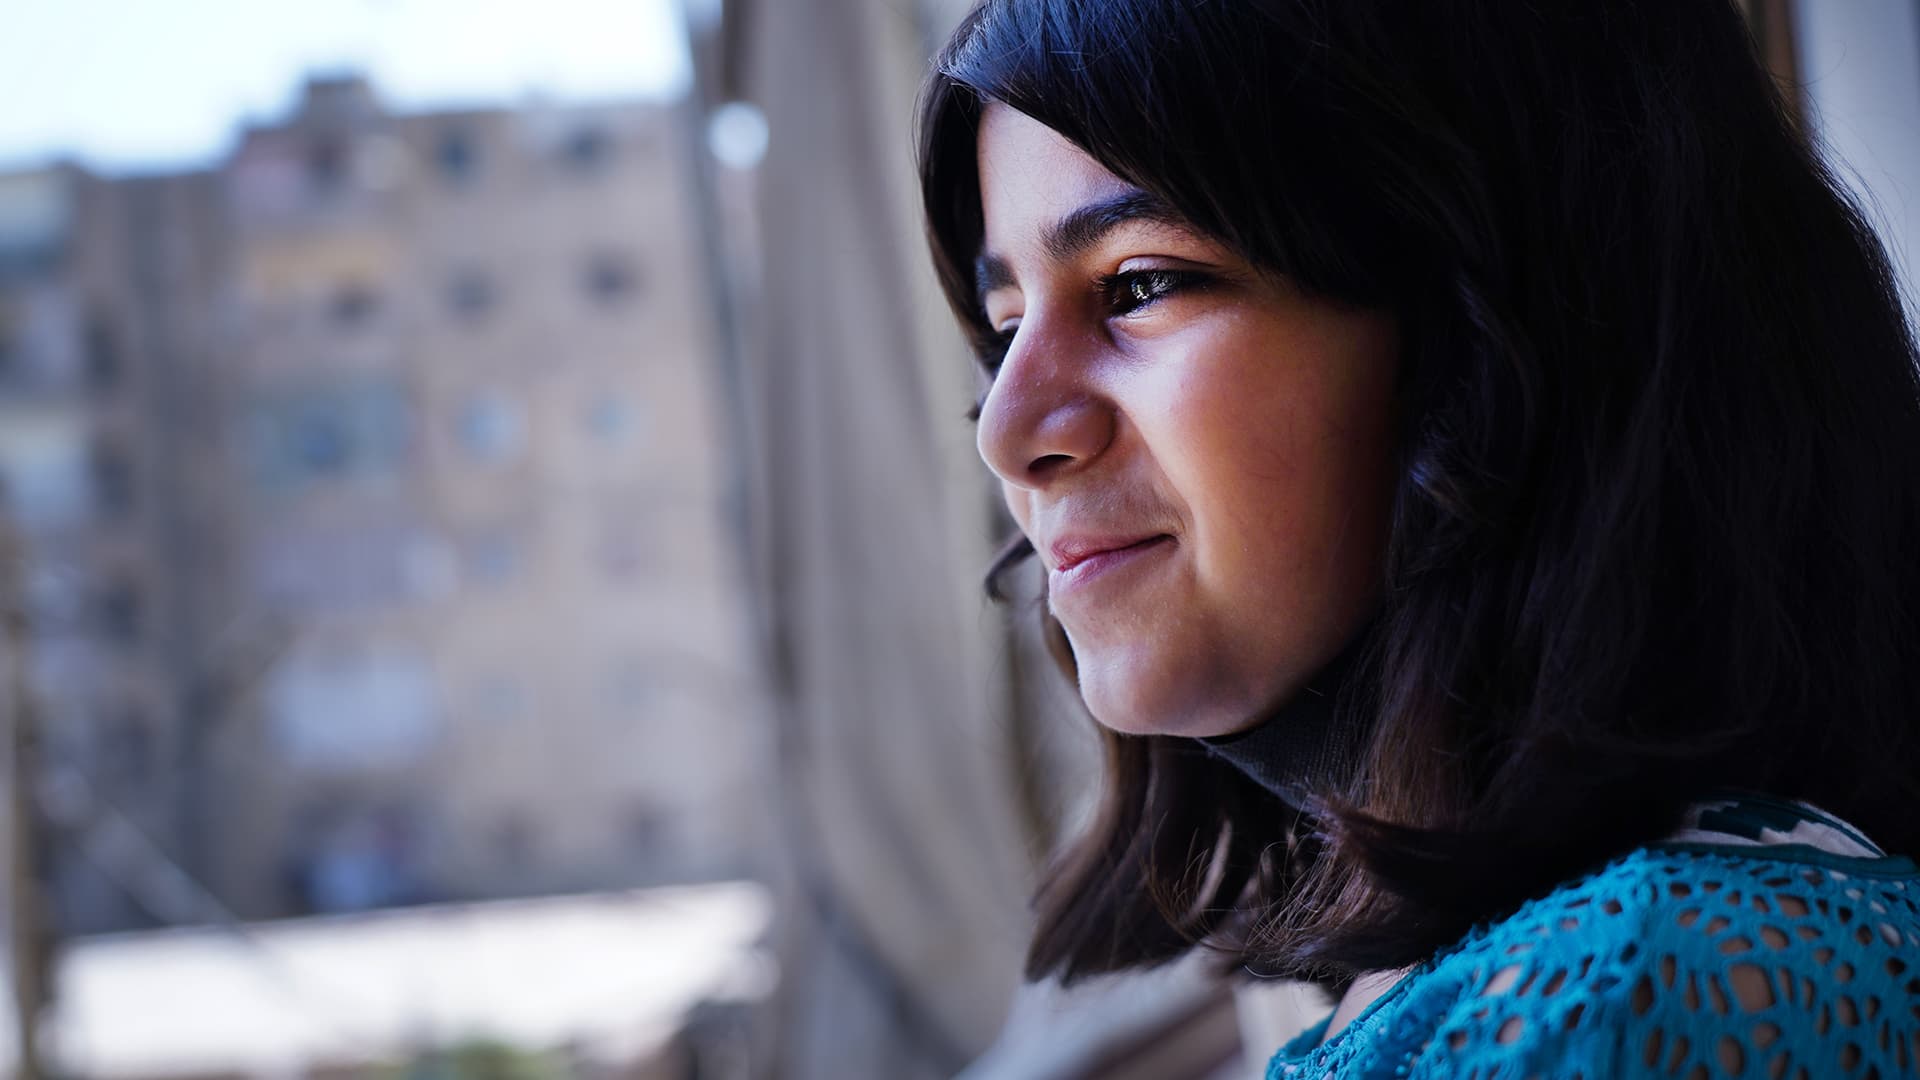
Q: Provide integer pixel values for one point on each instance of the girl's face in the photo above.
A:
(1199, 453)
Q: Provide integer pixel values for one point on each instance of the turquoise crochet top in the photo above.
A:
(1765, 940)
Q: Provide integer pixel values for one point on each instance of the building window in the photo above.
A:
(10, 351)
(515, 842)
(587, 149)
(610, 279)
(490, 557)
(126, 746)
(471, 294)
(327, 161)
(112, 480)
(353, 305)
(46, 475)
(320, 444)
(610, 420)
(645, 828)
(491, 427)
(457, 156)
(322, 434)
(362, 566)
(117, 612)
(353, 711)
(356, 857)
(102, 355)
(57, 597)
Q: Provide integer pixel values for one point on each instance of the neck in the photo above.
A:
(1303, 746)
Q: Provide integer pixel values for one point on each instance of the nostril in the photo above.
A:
(1048, 463)
(1038, 431)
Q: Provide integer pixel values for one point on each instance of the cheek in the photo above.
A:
(1020, 505)
(1281, 452)
(1234, 439)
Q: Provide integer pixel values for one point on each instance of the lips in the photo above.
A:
(1081, 563)
(1071, 552)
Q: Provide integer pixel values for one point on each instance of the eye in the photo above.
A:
(990, 348)
(1131, 290)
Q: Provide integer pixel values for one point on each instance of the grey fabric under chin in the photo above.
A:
(1303, 749)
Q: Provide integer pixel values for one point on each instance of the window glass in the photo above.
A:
(610, 279)
(491, 427)
(112, 479)
(610, 419)
(327, 160)
(587, 149)
(46, 474)
(490, 557)
(353, 305)
(314, 435)
(117, 612)
(354, 710)
(102, 354)
(456, 156)
(471, 294)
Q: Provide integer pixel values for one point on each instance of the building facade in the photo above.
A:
(433, 590)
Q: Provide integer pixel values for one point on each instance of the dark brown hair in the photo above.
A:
(1657, 529)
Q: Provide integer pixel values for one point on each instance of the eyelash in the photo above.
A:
(1131, 290)
(1125, 293)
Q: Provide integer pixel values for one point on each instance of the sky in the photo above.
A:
(140, 85)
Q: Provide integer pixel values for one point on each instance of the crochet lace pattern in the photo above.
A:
(1678, 960)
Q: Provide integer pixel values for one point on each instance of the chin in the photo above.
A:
(1131, 706)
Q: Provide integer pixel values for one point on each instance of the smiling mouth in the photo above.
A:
(1080, 569)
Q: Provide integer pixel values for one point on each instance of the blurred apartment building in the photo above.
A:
(374, 491)
(81, 462)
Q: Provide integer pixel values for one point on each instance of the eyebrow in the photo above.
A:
(1077, 232)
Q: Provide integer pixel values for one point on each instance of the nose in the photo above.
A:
(1042, 419)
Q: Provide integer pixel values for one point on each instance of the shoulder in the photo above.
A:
(1673, 960)
(1699, 961)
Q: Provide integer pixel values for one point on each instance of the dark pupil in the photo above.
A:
(1142, 290)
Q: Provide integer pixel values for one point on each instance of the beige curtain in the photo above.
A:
(926, 756)
(909, 865)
